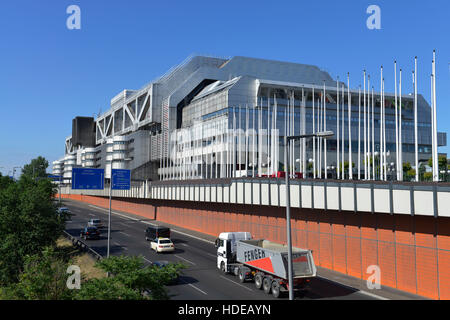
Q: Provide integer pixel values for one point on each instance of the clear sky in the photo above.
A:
(50, 74)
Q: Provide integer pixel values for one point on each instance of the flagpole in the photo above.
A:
(343, 134)
(337, 129)
(314, 131)
(381, 125)
(416, 144)
(365, 140)
(373, 135)
(399, 146)
(384, 136)
(350, 164)
(325, 129)
(367, 134)
(359, 133)
(435, 151)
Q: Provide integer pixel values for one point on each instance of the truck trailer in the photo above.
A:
(264, 262)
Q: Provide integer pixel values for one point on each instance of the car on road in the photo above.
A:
(162, 245)
(155, 232)
(95, 223)
(163, 264)
(90, 233)
(64, 212)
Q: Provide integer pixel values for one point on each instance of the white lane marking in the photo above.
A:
(189, 235)
(146, 222)
(236, 283)
(126, 234)
(357, 290)
(373, 295)
(184, 244)
(153, 224)
(184, 259)
(113, 212)
(92, 215)
(212, 255)
(147, 260)
(191, 285)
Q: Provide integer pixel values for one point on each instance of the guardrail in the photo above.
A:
(82, 245)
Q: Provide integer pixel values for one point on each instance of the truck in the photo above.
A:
(264, 262)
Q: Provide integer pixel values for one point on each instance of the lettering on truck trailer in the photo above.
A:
(254, 254)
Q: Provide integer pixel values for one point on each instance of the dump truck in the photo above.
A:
(264, 262)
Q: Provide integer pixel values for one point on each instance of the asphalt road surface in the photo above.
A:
(201, 280)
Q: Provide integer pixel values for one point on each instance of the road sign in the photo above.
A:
(121, 179)
(88, 178)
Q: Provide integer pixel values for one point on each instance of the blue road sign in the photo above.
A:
(87, 178)
(53, 177)
(121, 179)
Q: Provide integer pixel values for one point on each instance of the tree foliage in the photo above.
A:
(36, 168)
(44, 277)
(28, 223)
(129, 279)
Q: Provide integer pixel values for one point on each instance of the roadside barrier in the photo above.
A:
(82, 245)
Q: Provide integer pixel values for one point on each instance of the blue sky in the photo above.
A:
(50, 74)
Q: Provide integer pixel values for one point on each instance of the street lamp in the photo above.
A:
(325, 135)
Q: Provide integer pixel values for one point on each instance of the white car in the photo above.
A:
(162, 245)
(95, 223)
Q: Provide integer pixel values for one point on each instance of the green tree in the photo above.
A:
(129, 280)
(44, 277)
(37, 168)
(28, 223)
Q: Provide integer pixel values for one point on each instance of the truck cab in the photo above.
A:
(226, 248)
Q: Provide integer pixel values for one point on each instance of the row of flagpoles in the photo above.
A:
(261, 145)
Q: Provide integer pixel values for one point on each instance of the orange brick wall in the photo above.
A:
(413, 253)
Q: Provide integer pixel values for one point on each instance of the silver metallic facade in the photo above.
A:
(181, 125)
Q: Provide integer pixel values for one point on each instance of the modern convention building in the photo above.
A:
(219, 118)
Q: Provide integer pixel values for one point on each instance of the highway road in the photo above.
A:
(201, 280)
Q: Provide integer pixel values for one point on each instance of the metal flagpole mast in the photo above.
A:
(381, 125)
(399, 145)
(320, 139)
(396, 124)
(275, 153)
(293, 131)
(302, 130)
(253, 142)
(364, 129)
(246, 139)
(269, 143)
(325, 129)
(373, 135)
(435, 150)
(367, 134)
(350, 164)
(384, 136)
(343, 133)
(259, 138)
(216, 145)
(314, 131)
(337, 126)
(240, 141)
(233, 169)
(359, 134)
(416, 144)
(319, 128)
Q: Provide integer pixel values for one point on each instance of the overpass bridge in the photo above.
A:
(404, 228)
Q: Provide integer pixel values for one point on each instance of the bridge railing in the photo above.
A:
(428, 199)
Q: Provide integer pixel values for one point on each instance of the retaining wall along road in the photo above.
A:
(413, 252)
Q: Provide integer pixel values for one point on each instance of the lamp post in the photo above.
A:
(324, 135)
